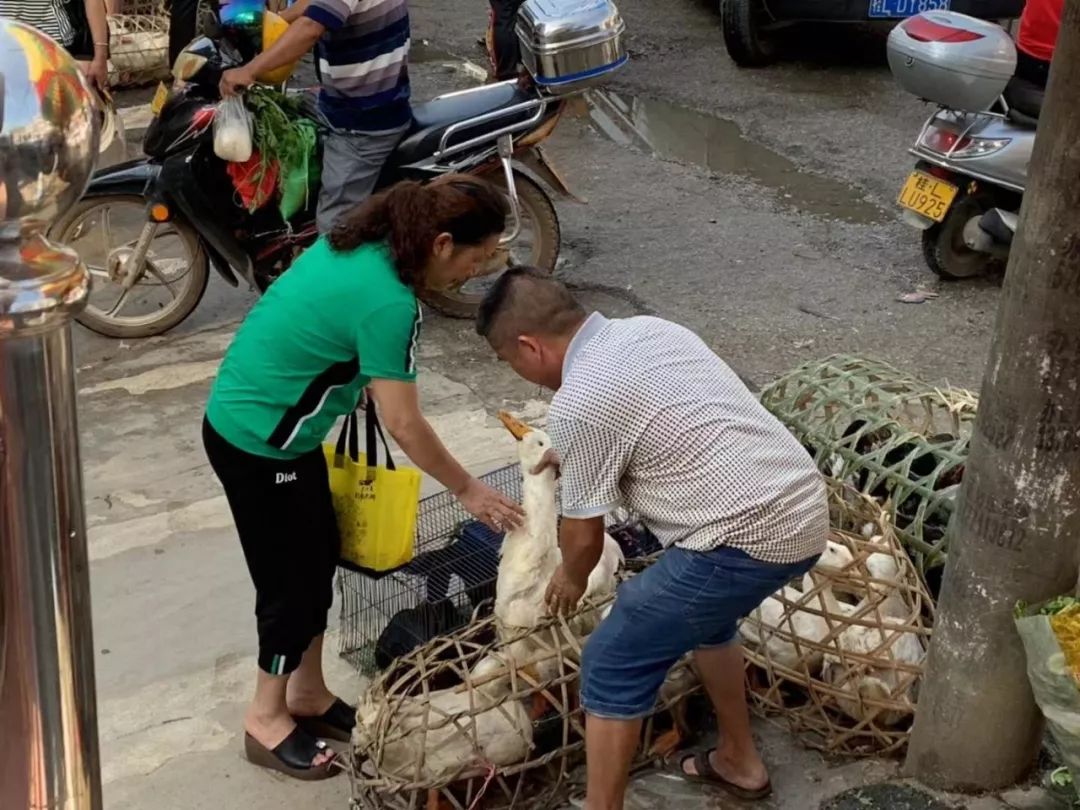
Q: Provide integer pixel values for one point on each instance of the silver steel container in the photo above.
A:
(952, 59)
(569, 45)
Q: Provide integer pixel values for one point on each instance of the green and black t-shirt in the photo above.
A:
(322, 332)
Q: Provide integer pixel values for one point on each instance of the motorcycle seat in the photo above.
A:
(431, 119)
(1025, 101)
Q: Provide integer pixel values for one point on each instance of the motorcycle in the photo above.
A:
(149, 229)
(972, 158)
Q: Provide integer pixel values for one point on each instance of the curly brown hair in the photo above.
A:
(410, 215)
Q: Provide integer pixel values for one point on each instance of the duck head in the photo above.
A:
(532, 442)
(835, 558)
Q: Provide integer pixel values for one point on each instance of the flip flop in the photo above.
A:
(292, 756)
(707, 775)
(336, 723)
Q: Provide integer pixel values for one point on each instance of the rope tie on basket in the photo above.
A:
(483, 788)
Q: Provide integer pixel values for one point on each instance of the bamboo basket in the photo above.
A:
(418, 717)
(138, 46)
(834, 699)
(886, 434)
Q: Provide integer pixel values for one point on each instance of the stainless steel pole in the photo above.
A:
(48, 139)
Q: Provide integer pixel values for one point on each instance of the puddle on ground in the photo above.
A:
(677, 133)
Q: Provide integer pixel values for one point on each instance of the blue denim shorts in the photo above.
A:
(687, 600)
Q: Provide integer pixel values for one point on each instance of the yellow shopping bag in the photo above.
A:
(376, 505)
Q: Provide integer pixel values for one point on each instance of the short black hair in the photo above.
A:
(527, 300)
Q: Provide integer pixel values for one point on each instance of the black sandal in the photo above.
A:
(336, 723)
(293, 756)
(707, 775)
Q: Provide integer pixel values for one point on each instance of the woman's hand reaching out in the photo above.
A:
(490, 506)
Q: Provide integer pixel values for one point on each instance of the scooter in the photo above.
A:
(150, 229)
(965, 191)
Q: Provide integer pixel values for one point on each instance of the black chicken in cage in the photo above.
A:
(449, 582)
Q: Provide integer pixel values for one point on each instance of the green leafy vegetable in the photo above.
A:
(282, 134)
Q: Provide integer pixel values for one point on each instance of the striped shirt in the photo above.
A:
(48, 16)
(648, 417)
(363, 60)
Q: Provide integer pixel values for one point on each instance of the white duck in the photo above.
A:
(774, 614)
(890, 642)
(431, 738)
(530, 554)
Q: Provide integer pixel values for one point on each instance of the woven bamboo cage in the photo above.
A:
(433, 731)
(840, 661)
(886, 434)
(138, 44)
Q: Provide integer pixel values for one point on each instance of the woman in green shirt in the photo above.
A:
(343, 319)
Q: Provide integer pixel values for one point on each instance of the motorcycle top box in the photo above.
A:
(952, 59)
(568, 45)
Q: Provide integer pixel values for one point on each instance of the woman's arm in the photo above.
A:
(96, 18)
(399, 410)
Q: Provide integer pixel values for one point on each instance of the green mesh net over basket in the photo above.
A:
(885, 433)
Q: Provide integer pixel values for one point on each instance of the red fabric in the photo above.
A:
(925, 30)
(254, 190)
(1039, 24)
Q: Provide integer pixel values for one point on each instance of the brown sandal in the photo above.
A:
(292, 756)
(707, 775)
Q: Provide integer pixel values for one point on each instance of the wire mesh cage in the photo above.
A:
(449, 581)
(839, 659)
(886, 434)
(451, 577)
(461, 723)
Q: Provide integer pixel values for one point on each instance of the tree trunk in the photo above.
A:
(1017, 524)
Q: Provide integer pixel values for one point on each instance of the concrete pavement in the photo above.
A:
(768, 279)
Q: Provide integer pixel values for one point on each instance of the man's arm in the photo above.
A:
(582, 543)
(294, 43)
(295, 11)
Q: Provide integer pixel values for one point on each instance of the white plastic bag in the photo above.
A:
(232, 131)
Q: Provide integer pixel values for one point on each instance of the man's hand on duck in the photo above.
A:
(550, 459)
(490, 506)
(563, 594)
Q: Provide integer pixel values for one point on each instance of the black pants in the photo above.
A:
(183, 20)
(1031, 69)
(285, 518)
(506, 51)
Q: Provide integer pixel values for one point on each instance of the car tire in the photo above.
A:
(747, 43)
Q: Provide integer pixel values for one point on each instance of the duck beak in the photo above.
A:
(518, 428)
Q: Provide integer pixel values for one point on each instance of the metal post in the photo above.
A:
(48, 142)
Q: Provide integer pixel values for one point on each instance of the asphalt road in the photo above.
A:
(755, 206)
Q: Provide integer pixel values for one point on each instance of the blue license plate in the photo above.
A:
(895, 9)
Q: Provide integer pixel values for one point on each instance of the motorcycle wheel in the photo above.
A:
(742, 23)
(100, 229)
(943, 244)
(537, 245)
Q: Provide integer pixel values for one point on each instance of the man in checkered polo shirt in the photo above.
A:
(645, 415)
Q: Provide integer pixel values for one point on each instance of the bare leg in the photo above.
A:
(609, 750)
(735, 758)
(307, 694)
(268, 719)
